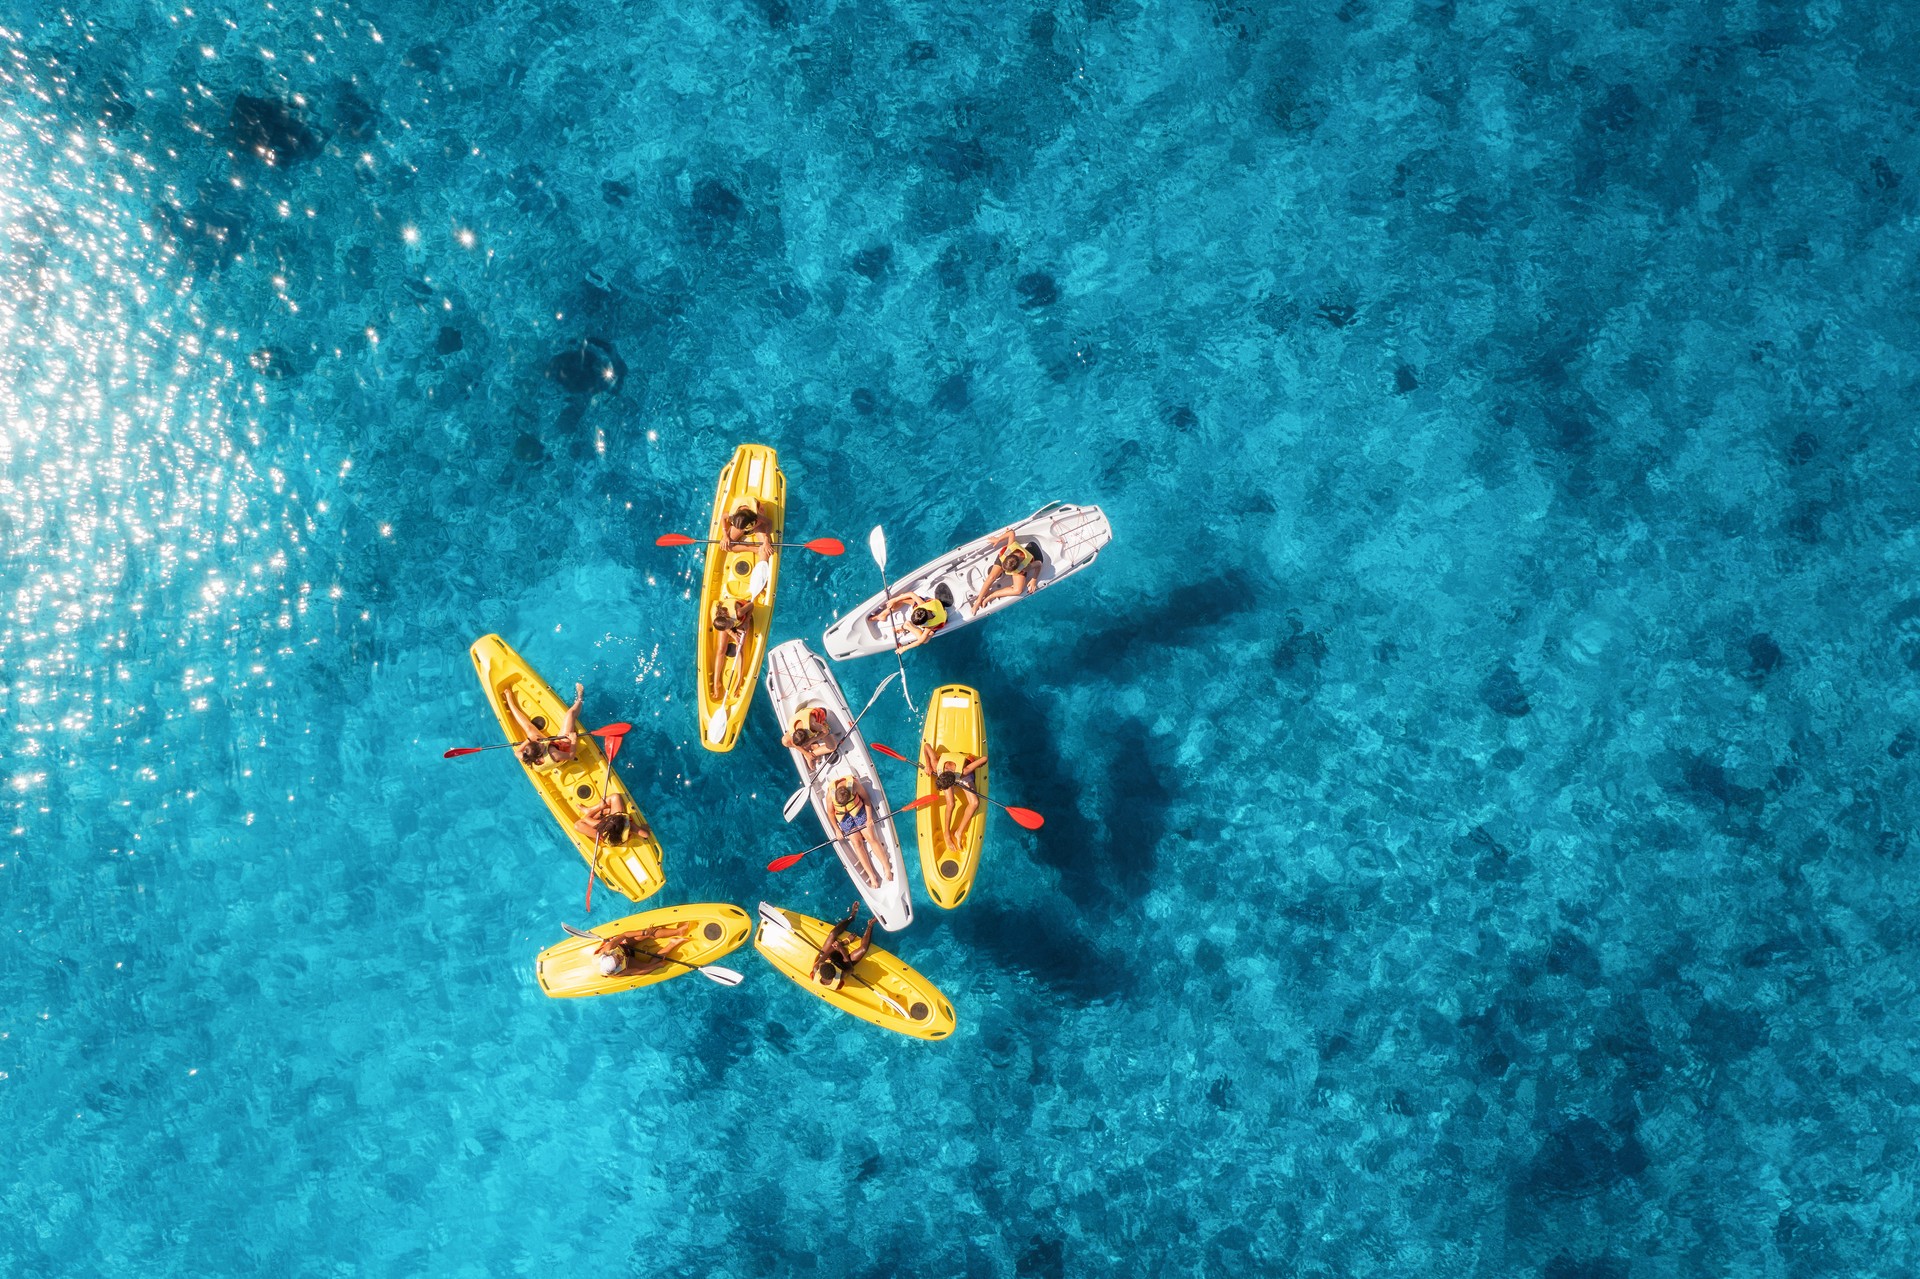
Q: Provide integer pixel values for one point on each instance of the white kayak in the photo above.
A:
(1066, 538)
(796, 678)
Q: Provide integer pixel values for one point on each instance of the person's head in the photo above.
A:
(609, 964)
(1014, 558)
(830, 971)
(802, 728)
(921, 615)
(745, 515)
(531, 751)
(946, 778)
(844, 790)
(612, 827)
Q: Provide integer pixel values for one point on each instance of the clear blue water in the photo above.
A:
(1480, 776)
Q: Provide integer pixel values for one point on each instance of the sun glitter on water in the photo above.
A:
(134, 521)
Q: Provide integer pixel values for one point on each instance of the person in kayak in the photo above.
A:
(953, 774)
(539, 749)
(743, 530)
(639, 952)
(809, 735)
(838, 954)
(925, 615)
(1017, 564)
(853, 817)
(612, 822)
(732, 622)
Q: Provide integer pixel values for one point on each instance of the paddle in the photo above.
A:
(798, 800)
(793, 859)
(615, 729)
(819, 545)
(612, 742)
(771, 918)
(712, 972)
(877, 547)
(1025, 816)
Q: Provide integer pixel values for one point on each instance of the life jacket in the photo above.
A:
(948, 763)
(1023, 559)
(809, 717)
(937, 609)
(849, 808)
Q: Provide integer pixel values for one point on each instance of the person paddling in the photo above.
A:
(809, 735)
(742, 530)
(853, 817)
(629, 955)
(953, 774)
(838, 953)
(538, 749)
(1017, 564)
(925, 616)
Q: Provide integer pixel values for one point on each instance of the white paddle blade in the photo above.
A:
(762, 574)
(796, 803)
(581, 932)
(721, 976)
(877, 546)
(717, 724)
(770, 917)
(876, 696)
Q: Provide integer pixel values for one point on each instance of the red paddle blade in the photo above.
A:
(782, 863)
(463, 750)
(673, 539)
(1026, 817)
(890, 752)
(827, 546)
(613, 746)
(613, 730)
(922, 802)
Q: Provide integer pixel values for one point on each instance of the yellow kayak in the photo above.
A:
(955, 727)
(880, 988)
(631, 868)
(753, 472)
(570, 970)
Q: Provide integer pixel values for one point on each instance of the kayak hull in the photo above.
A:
(631, 869)
(918, 1010)
(568, 969)
(956, 726)
(1068, 537)
(797, 677)
(754, 471)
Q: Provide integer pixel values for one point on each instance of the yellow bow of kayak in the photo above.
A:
(571, 970)
(632, 868)
(955, 726)
(881, 988)
(754, 472)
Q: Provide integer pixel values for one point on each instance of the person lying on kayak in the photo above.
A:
(838, 954)
(925, 615)
(954, 775)
(612, 822)
(733, 622)
(853, 817)
(1018, 565)
(742, 530)
(537, 748)
(809, 735)
(631, 955)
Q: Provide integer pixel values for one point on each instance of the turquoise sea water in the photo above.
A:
(1480, 776)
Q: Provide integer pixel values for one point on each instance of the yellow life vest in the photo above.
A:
(1026, 559)
(937, 609)
(850, 807)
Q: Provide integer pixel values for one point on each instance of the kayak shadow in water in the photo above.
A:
(1185, 613)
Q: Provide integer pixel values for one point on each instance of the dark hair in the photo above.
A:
(921, 615)
(531, 749)
(1019, 553)
(829, 969)
(744, 519)
(945, 778)
(801, 735)
(615, 827)
(845, 786)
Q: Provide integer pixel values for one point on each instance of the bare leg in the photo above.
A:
(857, 843)
(527, 729)
(993, 574)
(723, 644)
(875, 854)
(968, 804)
(570, 726)
(1016, 585)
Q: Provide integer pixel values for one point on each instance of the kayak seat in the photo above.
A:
(944, 594)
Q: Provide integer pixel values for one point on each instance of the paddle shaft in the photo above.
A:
(960, 782)
(877, 546)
